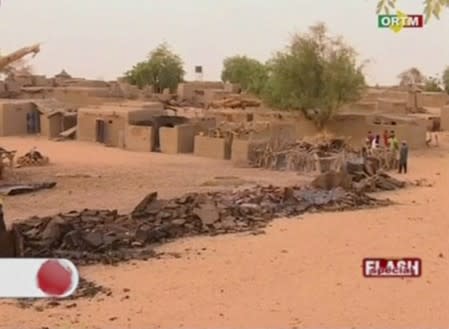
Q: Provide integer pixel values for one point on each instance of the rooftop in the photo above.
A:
(121, 109)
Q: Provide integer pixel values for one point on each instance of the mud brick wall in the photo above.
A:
(445, 118)
(434, 99)
(51, 126)
(414, 100)
(242, 150)
(362, 106)
(3, 92)
(76, 97)
(13, 117)
(23, 81)
(398, 95)
(392, 106)
(12, 86)
(187, 90)
(178, 139)
(41, 81)
(414, 134)
(357, 127)
(69, 121)
(139, 138)
(114, 128)
(204, 124)
(210, 147)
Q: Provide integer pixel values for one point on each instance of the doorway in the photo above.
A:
(100, 131)
(33, 122)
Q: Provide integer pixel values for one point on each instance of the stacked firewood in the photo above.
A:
(235, 102)
(32, 159)
(301, 156)
(238, 130)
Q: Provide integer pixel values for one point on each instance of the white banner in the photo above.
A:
(37, 278)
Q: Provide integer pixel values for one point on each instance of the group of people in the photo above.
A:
(390, 141)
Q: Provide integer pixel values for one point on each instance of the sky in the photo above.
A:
(101, 39)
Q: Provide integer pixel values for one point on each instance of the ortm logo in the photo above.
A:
(399, 21)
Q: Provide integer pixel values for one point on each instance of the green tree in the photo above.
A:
(411, 77)
(432, 8)
(432, 84)
(316, 74)
(445, 79)
(162, 69)
(249, 73)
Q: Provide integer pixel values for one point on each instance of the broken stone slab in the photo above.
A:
(207, 213)
(142, 205)
(16, 189)
(93, 239)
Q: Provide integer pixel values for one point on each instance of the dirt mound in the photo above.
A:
(94, 236)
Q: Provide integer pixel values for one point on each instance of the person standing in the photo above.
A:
(394, 147)
(376, 142)
(370, 138)
(386, 137)
(403, 156)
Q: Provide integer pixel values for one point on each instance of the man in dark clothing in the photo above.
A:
(403, 155)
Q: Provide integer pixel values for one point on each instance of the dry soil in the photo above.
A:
(303, 273)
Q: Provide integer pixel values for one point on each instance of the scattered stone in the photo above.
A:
(422, 182)
(95, 236)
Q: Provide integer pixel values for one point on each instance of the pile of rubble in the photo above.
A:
(32, 158)
(301, 156)
(358, 175)
(93, 236)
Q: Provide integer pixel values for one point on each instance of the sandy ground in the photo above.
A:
(304, 272)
